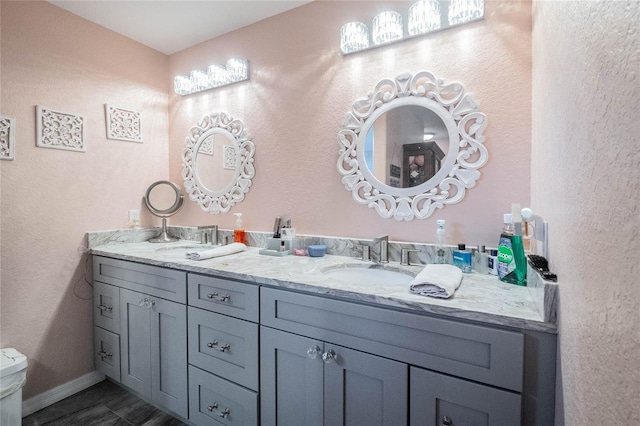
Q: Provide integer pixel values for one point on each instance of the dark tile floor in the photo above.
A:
(103, 404)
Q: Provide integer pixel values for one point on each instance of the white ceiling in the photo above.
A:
(171, 26)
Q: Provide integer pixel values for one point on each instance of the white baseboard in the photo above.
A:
(61, 392)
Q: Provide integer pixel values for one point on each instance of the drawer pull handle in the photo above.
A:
(225, 347)
(313, 352)
(214, 407)
(446, 421)
(147, 303)
(107, 308)
(212, 344)
(104, 354)
(215, 296)
(329, 356)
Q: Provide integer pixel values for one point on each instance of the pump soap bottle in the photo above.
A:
(512, 265)
(238, 232)
(441, 241)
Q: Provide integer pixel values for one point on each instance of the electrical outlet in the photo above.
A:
(134, 216)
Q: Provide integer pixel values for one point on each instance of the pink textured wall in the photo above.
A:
(50, 198)
(301, 87)
(586, 183)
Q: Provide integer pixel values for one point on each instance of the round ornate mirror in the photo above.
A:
(413, 145)
(163, 199)
(218, 162)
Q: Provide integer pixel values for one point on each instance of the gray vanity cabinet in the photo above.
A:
(144, 309)
(437, 400)
(223, 351)
(154, 349)
(310, 382)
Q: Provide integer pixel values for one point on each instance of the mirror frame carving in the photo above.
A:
(460, 170)
(219, 201)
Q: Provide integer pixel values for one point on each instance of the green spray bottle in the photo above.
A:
(512, 265)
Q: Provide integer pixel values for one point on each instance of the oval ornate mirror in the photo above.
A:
(163, 199)
(414, 144)
(217, 162)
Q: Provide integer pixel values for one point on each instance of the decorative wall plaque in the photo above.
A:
(60, 130)
(7, 137)
(229, 157)
(122, 124)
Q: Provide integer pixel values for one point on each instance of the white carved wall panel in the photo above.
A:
(7, 137)
(60, 130)
(122, 124)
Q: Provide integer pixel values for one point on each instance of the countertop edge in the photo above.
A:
(382, 301)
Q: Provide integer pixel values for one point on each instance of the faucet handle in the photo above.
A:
(405, 259)
(366, 252)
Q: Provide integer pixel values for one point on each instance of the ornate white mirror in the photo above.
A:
(163, 198)
(217, 162)
(414, 144)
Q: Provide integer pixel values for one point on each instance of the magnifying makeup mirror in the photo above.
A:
(163, 199)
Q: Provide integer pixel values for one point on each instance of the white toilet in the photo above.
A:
(13, 375)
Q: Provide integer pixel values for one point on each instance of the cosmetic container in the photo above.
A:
(462, 258)
(480, 260)
(492, 262)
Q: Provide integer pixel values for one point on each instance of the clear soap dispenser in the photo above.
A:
(238, 232)
(441, 241)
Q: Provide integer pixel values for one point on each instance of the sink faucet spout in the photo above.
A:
(384, 248)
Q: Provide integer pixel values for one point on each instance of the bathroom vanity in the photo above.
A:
(247, 340)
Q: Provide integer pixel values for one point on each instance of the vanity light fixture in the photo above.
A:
(424, 17)
(463, 11)
(387, 27)
(354, 36)
(234, 71)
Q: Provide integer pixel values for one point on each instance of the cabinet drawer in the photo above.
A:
(151, 280)
(213, 400)
(107, 353)
(437, 399)
(227, 297)
(106, 306)
(484, 354)
(224, 346)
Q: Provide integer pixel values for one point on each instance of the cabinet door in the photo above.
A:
(441, 400)
(290, 379)
(135, 345)
(169, 355)
(363, 389)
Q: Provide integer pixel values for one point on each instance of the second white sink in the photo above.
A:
(369, 275)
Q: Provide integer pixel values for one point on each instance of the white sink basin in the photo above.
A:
(182, 247)
(369, 275)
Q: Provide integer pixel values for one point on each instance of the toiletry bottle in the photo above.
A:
(512, 265)
(238, 232)
(492, 262)
(462, 258)
(480, 261)
(441, 241)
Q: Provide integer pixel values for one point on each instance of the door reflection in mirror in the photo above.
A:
(396, 150)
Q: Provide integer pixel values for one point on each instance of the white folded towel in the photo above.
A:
(216, 252)
(437, 281)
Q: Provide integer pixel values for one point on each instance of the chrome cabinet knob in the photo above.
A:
(329, 356)
(446, 421)
(314, 352)
(212, 406)
(225, 347)
(212, 344)
(147, 303)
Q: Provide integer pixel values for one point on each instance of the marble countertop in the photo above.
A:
(482, 298)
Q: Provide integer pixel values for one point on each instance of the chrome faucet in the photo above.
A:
(384, 248)
(209, 234)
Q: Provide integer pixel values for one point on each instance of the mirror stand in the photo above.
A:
(163, 199)
(164, 237)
